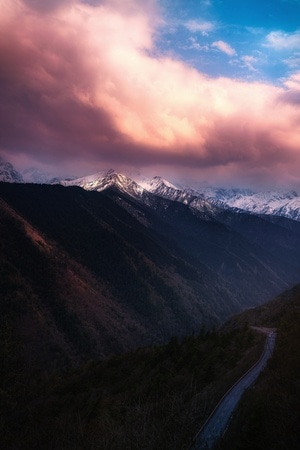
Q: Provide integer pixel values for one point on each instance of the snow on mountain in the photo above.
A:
(106, 179)
(285, 204)
(34, 175)
(223, 195)
(136, 185)
(121, 182)
(90, 182)
(8, 173)
(207, 200)
(163, 188)
(138, 177)
(159, 184)
(272, 203)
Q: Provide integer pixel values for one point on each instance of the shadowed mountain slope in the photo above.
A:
(86, 274)
(81, 277)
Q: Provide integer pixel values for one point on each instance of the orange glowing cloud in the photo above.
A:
(84, 81)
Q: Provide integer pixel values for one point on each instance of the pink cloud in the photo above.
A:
(80, 83)
(224, 47)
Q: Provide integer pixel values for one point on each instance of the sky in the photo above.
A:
(202, 89)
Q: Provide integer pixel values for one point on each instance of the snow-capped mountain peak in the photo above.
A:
(107, 179)
(163, 188)
(34, 175)
(121, 182)
(159, 182)
(272, 203)
(207, 200)
(89, 182)
(8, 173)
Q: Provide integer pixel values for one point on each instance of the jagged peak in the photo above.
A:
(158, 181)
(8, 173)
(201, 198)
(106, 179)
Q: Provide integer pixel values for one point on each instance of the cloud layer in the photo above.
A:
(83, 83)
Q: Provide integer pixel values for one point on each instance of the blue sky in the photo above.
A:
(245, 39)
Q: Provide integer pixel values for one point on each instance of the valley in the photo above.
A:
(118, 307)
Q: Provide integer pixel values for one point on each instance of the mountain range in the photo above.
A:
(96, 266)
(262, 203)
(106, 263)
(272, 203)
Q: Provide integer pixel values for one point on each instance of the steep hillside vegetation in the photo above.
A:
(82, 278)
(158, 397)
(85, 275)
(153, 398)
(88, 274)
(257, 258)
(269, 415)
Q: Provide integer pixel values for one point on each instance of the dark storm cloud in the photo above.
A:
(47, 5)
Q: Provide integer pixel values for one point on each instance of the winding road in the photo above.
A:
(218, 421)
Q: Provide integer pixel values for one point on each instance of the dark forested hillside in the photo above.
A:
(82, 278)
(87, 274)
(155, 398)
(269, 414)
(256, 257)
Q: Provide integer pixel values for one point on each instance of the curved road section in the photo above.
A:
(218, 421)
